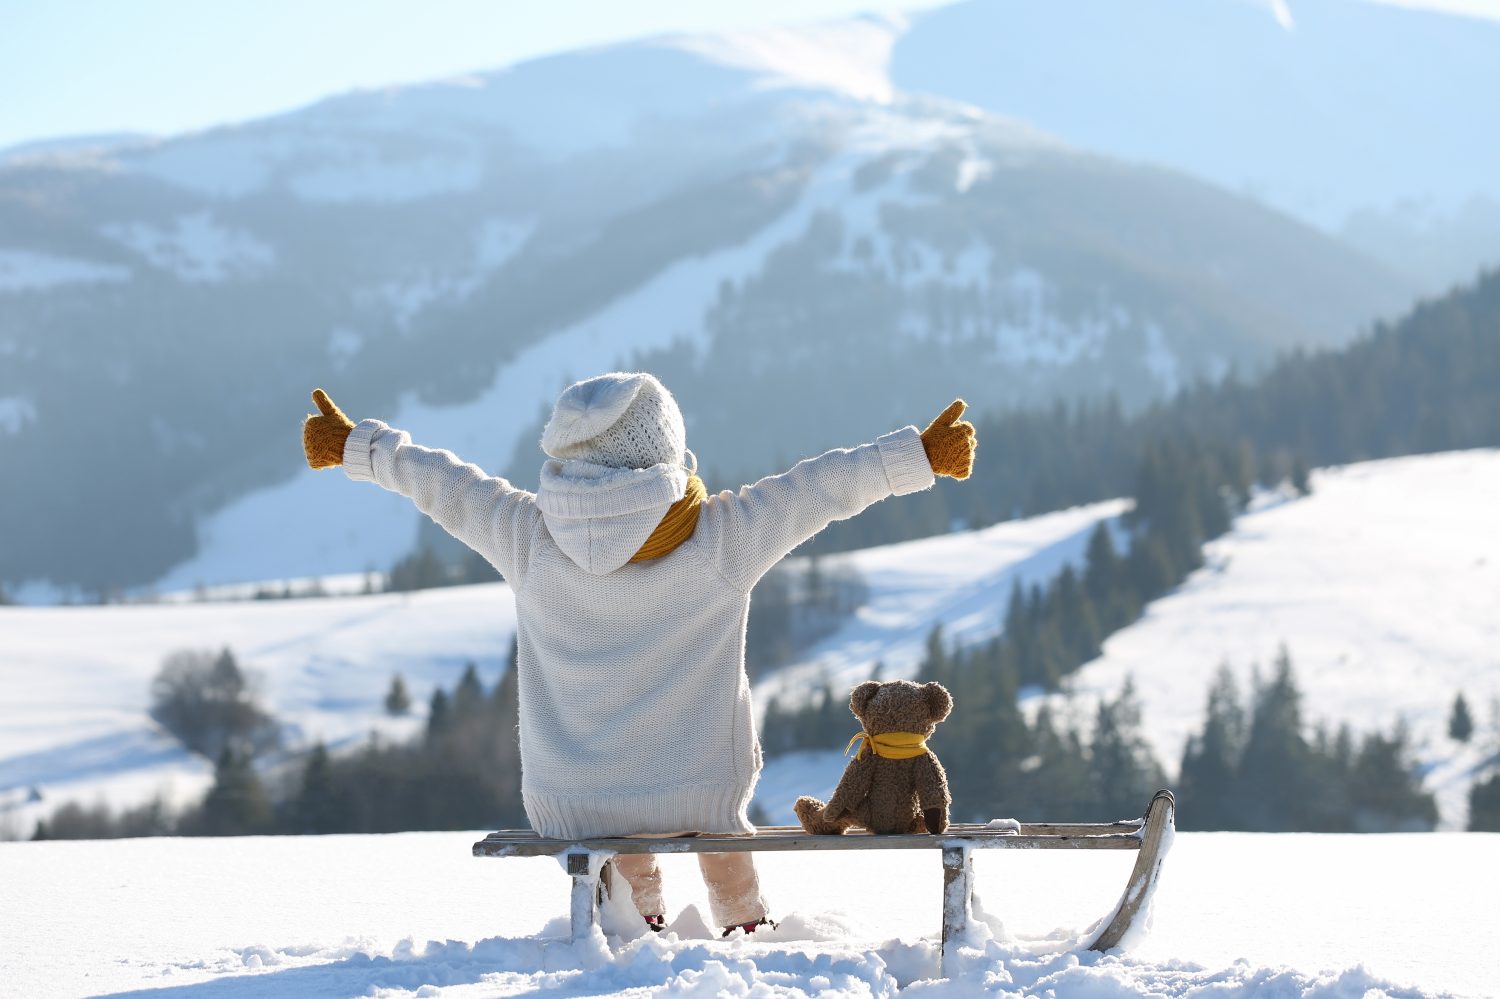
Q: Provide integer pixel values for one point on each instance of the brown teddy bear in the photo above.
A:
(894, 784)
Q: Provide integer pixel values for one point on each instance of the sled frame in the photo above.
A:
(1144, 835)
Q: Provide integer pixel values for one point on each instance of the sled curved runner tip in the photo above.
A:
(1161, 816)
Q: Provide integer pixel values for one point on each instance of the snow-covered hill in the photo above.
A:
(1236, 916)
(1384, 585)
(75, 723)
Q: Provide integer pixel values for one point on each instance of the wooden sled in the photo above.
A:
(1144, 835)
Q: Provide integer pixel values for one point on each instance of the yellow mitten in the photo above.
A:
(949, 442)
(323, 436)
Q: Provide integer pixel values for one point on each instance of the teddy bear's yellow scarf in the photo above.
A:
(891, 745)
(677, 525)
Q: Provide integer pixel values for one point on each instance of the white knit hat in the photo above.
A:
(622, 419)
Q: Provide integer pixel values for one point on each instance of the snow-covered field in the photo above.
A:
(1236, 915)
(74, 722)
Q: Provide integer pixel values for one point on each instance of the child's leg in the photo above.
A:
(640, 872)
(733, 888)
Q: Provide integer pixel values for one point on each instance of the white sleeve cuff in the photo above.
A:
(906, 466)
(357, 450)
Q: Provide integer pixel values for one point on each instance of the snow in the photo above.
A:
(1236, 915)
(29, 270)
(364, 178)
(196, 248)
(343, 345)
(15, 413)
(1383, 584)
(1161, 361)
(496, 241)
(849, 57)
(222, 163)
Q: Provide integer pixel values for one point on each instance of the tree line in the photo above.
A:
(1254, 765)
(462, 772)
(1422, 384)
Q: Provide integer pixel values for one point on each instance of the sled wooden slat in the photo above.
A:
(1111, 836)
(1144, 835)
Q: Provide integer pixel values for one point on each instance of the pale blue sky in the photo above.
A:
(73, 67)
(70, 67)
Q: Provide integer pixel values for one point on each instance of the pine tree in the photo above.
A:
(1460, 722)
(1101, 563)
(775, 733)
(438, 716)
(1211, 760)
(1484, 804)
(468, 696)
(1122, 768)
(319, 806)
(1301, 477)
(504, 765)
(397, 700)
(935, 660)
(1056, 778)
(986, 738)
(1274, 780)
(1328, 805)
(1385, 790)
(834, 719)
(236, 805)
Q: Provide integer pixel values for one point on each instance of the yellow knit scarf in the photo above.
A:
(891, 745)
(677, 525)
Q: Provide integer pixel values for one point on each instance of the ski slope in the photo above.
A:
(1235, 916)
(1384, 585)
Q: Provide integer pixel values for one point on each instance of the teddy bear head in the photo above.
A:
(900, 706)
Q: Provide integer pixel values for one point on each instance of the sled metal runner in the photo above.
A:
(1144, 835)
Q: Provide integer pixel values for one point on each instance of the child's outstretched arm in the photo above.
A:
(483, 511)
(754, 528)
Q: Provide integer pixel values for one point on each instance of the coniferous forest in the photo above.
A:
(1422, 384)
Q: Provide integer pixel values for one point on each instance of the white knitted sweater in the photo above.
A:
(635, 707)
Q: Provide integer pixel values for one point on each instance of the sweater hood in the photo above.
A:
(600, 516)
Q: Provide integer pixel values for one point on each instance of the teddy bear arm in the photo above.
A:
(932, 788)
(854, 787)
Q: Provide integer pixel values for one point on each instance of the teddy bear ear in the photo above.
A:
(861, 697)
(939, 701)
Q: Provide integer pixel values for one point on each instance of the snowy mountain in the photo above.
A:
(1371, 120)
(324, 917)
(762, 218)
